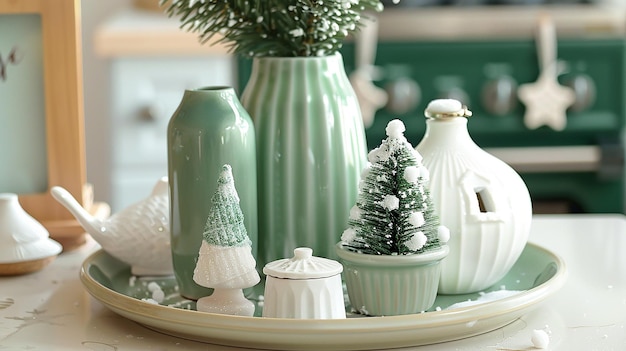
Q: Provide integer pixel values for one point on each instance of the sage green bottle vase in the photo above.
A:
(310, 150)
(210, 128)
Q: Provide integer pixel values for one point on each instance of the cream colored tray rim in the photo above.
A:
(367, 333)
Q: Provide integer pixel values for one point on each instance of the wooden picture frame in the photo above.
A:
(64, 124)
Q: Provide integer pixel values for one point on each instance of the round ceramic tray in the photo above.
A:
(537, 274)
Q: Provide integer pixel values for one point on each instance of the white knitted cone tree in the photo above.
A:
(394, 214)
(225, 261)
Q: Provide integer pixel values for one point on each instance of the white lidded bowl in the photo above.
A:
(25, 244)
(304, 287)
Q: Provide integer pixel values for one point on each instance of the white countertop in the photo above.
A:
(50, 310)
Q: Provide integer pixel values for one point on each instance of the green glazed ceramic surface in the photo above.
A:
(310, 150)
(380, 285)
(537, 274)
(210, 128)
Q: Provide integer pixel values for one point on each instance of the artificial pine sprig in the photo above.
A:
(279, 28)
(394, 213)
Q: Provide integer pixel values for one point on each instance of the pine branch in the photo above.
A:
(283, 28)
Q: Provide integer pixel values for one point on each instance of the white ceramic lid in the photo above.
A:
(40, 249)
(303, 265)
(23, 238)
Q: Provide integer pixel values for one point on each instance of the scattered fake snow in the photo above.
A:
(298, 32)
(158, 295)
(540, 339)
(485, 297)
(153, 286)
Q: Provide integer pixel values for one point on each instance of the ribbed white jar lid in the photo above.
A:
(303, 265)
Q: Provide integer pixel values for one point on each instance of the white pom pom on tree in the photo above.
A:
(394, 214)
(225, 261)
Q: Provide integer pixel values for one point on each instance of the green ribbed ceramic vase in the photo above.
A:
(210, 128)
(310, 150)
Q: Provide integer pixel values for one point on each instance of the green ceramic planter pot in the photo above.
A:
(391, 285)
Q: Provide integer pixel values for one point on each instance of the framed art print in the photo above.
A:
(41, 110)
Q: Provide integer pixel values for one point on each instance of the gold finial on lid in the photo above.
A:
(446, 108)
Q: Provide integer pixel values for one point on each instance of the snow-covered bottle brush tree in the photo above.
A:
(225, 261)
(394, 213)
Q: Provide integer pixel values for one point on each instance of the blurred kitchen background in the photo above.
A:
(137, 63)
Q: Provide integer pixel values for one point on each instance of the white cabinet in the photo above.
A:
(145, 91)
(151, 63)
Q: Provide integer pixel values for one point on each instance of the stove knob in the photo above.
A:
(403, 94)
(499, 96)
(585, 90)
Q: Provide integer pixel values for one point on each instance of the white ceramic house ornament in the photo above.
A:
(483, 201)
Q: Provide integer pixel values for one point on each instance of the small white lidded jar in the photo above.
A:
(304, 287)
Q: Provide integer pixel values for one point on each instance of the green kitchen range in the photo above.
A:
(579, 169)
